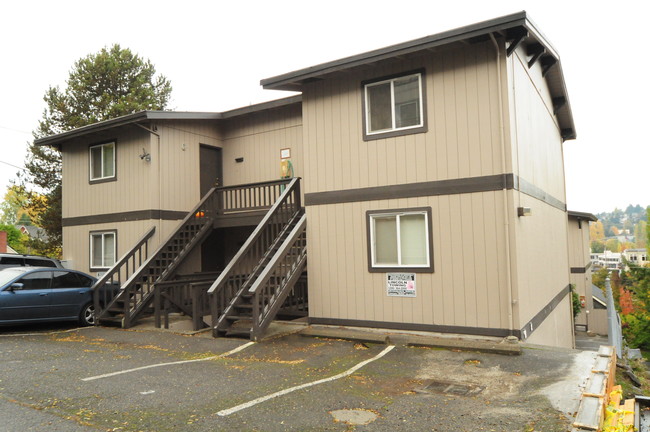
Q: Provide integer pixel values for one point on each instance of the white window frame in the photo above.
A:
(393, 128)
(103, 235)
(92, 176)
(372, 264)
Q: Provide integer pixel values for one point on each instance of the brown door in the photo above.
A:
(211, 168)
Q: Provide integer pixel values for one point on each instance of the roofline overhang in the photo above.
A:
(505, 25)
(582, 216)
(147, 116)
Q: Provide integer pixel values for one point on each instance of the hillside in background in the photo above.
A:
(620, 229)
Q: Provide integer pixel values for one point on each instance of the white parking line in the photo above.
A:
(302, 386)
(233, 351)
(44, 333)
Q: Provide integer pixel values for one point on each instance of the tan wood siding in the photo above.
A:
(258, 138)
(76, 239)
(179, 161)
(81, 198)
(467, 287)
(556, 330)
(579, 258)
(541, 251)
(462, 116)
(536, 139)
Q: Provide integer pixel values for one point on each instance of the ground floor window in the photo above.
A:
(102, 249)
(400, 240)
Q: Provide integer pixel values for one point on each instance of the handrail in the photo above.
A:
(282, 251)
(250, 185)
(109, 273)
(226, 274)
(138, 289)
(268, 297)
(102, 298)
(191, 214)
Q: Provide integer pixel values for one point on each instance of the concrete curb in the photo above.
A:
(461, 344)
(345, 334)
(503, 348)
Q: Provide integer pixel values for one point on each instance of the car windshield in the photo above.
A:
(8, 274)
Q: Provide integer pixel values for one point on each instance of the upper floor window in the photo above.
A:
(102, 162)
(394, 106)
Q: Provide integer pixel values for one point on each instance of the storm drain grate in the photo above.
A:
(447, 387)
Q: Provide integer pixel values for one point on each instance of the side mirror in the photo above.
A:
(16, 286)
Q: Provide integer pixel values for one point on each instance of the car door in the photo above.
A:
(29, 303)
(70, 292)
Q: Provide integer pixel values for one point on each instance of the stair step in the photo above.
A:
(238, 332)
(238, 317)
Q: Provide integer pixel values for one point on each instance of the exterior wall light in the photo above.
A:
(524, 211)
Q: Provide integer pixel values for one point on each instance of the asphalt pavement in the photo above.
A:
(56, 378)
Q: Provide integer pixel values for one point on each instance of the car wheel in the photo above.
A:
(87, 316)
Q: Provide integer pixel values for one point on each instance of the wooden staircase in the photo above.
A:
(137, 292)
(263, 273)
(150, 280)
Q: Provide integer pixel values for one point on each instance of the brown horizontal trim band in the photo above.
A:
(411, 190)
(434, 188)
(530, 189)
(482, 331)
(129, 216)
(538, 319)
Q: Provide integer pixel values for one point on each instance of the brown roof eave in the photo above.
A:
(294, 80)
(582, 216)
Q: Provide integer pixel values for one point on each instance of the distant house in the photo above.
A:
(32, 231)
(638, 257)
(431, 195)
(608, 259)
(4, 245)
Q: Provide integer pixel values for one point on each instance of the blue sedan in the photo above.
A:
(40, 294)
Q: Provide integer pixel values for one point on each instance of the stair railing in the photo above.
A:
(189, 296)
(236, 275)
(274, 284)
(137, 291)
(121, 270)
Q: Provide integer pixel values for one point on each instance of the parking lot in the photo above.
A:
(58, 378)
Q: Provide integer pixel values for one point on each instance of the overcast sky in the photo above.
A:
(215, 54)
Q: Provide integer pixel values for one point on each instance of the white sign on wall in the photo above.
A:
(400, 284)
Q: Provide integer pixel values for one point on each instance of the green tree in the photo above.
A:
(597, 247)
(15, 238)
(575, 300)
(640, 230)
(596, 230)
(111, 83)
(613, 245)
(637, 324)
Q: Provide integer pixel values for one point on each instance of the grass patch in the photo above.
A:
(639, 368)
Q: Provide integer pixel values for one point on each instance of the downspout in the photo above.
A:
(511, 301)
(153, 132)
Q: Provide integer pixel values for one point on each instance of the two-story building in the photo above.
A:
(432, 192)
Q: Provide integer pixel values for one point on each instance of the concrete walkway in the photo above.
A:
(585, 342)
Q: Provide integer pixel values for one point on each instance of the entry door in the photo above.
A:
(211, 168)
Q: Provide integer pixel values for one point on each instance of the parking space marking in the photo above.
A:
(226, 354)
(44, 333)
(348, 372)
